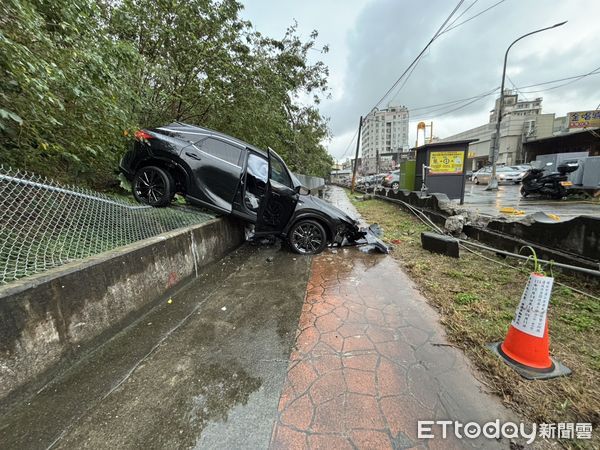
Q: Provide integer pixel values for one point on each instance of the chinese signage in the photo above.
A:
(446, 163)
(531, 313)
(584, 119)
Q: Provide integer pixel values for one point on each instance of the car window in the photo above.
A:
(258, 167)
(279, 172)
(221, 150)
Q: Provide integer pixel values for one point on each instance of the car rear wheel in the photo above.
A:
(307, 237)
(476, 180)
(153, 186)
(395, 185)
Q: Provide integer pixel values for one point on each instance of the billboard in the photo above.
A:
(449, 162)
(584, 119)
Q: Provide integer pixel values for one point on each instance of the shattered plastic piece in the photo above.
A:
(396, 241)
(224, 308)
(371, 238)
(270, 259)
(170, 301)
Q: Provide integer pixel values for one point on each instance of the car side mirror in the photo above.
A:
(301, 190)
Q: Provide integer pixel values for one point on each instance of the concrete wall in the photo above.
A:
(48, 320)
(575, 242)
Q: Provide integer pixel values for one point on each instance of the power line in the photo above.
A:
(483, 95)
(450, 28)
(441, 30)
(410, 66)
(476, 99)
(350, 143)
(593, 72)
(462, 13)
(488, 93)
(435, 36)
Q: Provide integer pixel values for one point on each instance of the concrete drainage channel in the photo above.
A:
(49, 320)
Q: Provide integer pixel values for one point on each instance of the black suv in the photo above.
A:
(229, 176)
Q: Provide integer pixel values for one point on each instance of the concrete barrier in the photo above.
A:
(575, 242)
(48, 320)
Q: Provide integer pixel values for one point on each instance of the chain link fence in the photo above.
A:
(44, 224)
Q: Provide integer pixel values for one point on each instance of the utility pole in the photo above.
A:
(356, 156)
(493, 183)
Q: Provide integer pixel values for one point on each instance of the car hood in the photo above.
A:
(310, 201)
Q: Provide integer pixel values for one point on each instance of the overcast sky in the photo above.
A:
(372, 41)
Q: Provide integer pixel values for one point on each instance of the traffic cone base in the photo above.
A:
(556, 369)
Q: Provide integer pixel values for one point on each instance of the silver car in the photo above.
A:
(504, 174)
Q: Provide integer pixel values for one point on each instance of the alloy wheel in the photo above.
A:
(150, 186)
(307, 238)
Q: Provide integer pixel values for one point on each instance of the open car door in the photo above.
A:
(279, 201)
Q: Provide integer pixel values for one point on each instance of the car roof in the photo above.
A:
(187, 128)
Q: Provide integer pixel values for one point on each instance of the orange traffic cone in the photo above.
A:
(526, 347)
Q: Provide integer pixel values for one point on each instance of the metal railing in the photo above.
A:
(44, 224)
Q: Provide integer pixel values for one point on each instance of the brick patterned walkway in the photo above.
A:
(367, 363)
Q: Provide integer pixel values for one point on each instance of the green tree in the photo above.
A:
(65, 93)
(76, 74)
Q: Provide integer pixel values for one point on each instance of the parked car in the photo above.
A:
(505, 174)
(229, 176)
(392, 180)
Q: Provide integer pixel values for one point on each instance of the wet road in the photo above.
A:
(335, 351)
(508, 195)
(203, 371)
(370, 361)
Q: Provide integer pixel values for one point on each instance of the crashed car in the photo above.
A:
(229, 176)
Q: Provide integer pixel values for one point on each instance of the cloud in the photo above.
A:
(464, 62)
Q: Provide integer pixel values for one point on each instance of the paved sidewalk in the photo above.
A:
(370, 360)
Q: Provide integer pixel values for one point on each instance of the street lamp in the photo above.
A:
(493, 183)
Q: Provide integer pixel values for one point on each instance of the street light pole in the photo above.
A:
(493, 183)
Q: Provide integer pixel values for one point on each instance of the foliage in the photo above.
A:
(76, 76)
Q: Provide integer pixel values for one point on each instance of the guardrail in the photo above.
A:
(315, 184)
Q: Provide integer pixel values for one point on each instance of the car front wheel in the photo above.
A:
(153, 186)
(476, 180)
(395, 185)
(307, 237)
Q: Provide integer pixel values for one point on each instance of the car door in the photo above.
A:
(279, 201)
(484, 175)
(216, 171)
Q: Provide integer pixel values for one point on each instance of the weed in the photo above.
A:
(465, 298)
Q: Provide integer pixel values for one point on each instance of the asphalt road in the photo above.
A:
(508, 195)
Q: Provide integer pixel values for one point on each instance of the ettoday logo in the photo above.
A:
(432, 429)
